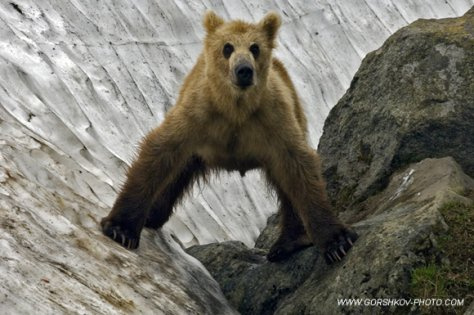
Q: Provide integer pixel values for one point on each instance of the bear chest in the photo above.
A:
(230, 151)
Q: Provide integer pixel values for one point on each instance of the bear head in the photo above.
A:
(238, 54)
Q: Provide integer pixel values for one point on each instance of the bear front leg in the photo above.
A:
(162, 158)
(162, 208)
(296, 172)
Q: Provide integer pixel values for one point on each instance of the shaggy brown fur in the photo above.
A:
(237, 110)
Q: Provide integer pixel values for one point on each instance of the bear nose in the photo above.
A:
(244, 74)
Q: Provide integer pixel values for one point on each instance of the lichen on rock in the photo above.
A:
(410, 99)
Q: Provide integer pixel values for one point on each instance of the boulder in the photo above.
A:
(250, 283)
(398, 235)
(411, 99)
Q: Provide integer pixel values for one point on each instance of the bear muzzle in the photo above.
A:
(243, 74)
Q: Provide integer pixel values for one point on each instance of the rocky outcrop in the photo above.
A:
(387, 147)
(399, 235)
(411, 99)
(250, 283)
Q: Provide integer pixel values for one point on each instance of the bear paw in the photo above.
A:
(340, 245)
(283, 249)
(122, 235)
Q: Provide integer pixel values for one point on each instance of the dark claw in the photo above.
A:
(329, 259)
(342, 243)
(124, 236)
(349, 241)
(131, 244)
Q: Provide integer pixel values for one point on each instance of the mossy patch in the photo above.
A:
(429, 282)
(451, 274)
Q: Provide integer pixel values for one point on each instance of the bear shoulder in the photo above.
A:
(279, 70)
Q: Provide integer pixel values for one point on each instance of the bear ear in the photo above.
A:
(212, 21)
(270, 24)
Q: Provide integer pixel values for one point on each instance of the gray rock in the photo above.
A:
(470, 309)
(395, 238)
(270, 233)
(411, 99)
(397, 235)
(251, 283)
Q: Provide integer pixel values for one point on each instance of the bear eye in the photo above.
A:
(255, 50)
(228, 50)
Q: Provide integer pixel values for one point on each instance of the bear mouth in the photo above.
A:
(244, 86)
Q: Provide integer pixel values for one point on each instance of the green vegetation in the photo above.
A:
(429, 282)
(452, 275)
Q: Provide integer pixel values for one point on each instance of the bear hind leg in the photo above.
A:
(297, 174)
(293, 236)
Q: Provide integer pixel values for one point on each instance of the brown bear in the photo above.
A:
(237, 110)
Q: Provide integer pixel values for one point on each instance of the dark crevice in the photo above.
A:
(17, 8)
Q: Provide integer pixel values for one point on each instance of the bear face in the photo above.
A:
(238, 54)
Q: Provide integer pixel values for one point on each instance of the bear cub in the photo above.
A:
(237, 110)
